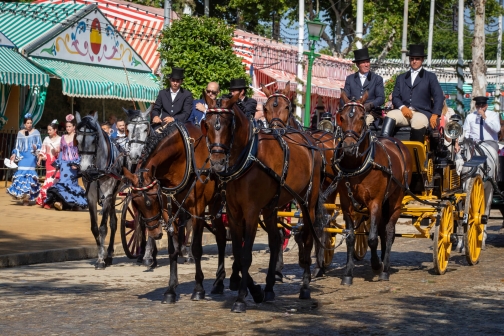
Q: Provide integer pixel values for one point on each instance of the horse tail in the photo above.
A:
(320, 214)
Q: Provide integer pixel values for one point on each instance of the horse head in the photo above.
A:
(219, 128)
(138, 131)
(147, 199)
(278, 108)
(352, 120)
(88, 137)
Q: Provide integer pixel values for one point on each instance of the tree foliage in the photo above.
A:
(202, 46)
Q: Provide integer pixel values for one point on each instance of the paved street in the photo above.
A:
(73, 298)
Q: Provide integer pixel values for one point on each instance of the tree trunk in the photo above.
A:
(478, 66)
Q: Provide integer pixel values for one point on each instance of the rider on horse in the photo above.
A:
(356, 84)
(418, 96)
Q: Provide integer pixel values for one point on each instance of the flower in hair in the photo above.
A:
(28, 116)
(55, 121)
(69, 117)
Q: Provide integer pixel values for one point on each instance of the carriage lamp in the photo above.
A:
(315, 30)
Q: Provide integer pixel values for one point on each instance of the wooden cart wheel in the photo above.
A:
(475, 209)
(129, 231)
(361, 241)
(442, 241)
(330, 243)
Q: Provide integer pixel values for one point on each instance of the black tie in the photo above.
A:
(481, 129)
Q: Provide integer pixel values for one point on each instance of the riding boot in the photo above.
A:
(417, 134)
(388, 127)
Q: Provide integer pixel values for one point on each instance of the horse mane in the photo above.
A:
(153, 140)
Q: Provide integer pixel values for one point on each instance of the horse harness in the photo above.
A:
(249, 155)
(170, 193)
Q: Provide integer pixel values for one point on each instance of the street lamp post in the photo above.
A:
(315, 30)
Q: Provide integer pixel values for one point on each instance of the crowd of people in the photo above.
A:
(416, 101)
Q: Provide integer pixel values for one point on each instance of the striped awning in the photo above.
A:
(17, 70)
(89, 81)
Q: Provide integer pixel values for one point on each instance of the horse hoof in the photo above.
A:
(318, 272)
(150, 263)
(169, 298)
(100, 266)
(234, 285)
(347, 280)
(304, 294)
(378, 270)
(239, 307)
(197, 296)
(278, 277)
(269, 296)
(218, 289)
(258, 294)
(108, 261)
(384, 276)
(140, 258)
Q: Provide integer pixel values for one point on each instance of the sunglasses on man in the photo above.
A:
(212, 92)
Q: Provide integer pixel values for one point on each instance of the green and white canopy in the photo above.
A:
(80, 80)
(17, 70)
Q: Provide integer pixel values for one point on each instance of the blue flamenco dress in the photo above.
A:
(25, 185)
(67, 190)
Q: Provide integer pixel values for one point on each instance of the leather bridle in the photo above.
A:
(220, 148)
(277, 121)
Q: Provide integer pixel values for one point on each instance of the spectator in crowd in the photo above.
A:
(105, 126)
(48, 153)
(200, 107)
(112, 120)
(119, 136)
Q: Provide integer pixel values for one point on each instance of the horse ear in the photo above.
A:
(344, 97)
(209, 101)
(230, 102)
(364, 97)
(95, 117)
(77, 117)
(145, 114)
(203, 127)
(338, 119)
(286, 90)
(266, 91)
(127, 174)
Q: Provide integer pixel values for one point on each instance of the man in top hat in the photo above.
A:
(238, 87)
(174, 103)
(482, 125)
(364, 80)
(418, 98)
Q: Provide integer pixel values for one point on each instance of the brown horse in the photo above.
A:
(173, 180)
(278, 112)
(374, 173)
(252, 170)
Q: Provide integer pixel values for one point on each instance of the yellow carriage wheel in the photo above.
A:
(442, 241)
(330, 243)
(361, 240)
(475, 209)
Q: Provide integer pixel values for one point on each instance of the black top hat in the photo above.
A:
(481, 100)
(416, 50)
(361, 55)
(237, 83)
(176, 73)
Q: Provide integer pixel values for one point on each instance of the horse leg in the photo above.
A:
(220, 238)
(488, 199)
(280, 264)
(92, 198)
(103, 235)
(388, 235)
(197, 252)
(150, 253)
(275, 246)
(375, 218)
(350, 242)
(112, 223)
(170, 296)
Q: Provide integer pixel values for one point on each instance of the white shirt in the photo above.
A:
(491, 126)
(414, 74)
(173, 94)
(362, 78)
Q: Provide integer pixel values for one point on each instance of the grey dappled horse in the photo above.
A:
(99, 162)
(470, 148)
(139, 129)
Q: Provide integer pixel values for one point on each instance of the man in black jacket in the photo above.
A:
(239, 87)
(364, 80)
(174, 103)
(418, 98)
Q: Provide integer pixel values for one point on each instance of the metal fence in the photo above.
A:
(7, 144)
